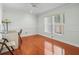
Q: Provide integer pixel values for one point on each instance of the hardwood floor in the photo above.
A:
(34, 45)
(30, 46)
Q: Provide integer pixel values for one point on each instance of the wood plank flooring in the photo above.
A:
(34, 45)
(30, 46)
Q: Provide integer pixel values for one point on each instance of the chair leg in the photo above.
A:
(2, 46)
(12, 48)
(7, 46)
(9, 49)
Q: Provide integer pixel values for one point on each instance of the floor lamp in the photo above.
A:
(6, 22)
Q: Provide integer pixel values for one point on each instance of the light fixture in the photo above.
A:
(35, 5)
(6, 22)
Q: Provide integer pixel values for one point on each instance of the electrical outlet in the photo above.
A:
(25, 32)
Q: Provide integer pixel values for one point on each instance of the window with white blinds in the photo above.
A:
(58, 24)
(54, 24)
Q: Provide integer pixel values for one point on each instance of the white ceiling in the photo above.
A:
(39, 7)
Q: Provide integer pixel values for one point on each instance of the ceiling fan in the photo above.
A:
(34, 5)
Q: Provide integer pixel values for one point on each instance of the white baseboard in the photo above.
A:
(28, 35)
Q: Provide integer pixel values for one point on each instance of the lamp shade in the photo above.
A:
(6, 21)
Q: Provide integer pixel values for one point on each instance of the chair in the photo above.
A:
(20, 39)
(5, 43)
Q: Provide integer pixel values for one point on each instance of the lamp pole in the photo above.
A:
(7, 27)
(6, 21)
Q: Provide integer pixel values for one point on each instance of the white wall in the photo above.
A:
(21, 20)
(71, 26)
(0, 20)
(29, 22)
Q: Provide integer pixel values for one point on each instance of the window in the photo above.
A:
(0, 29)
(0, 26)
(47, 24)
(58, 24)
(54, 24)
